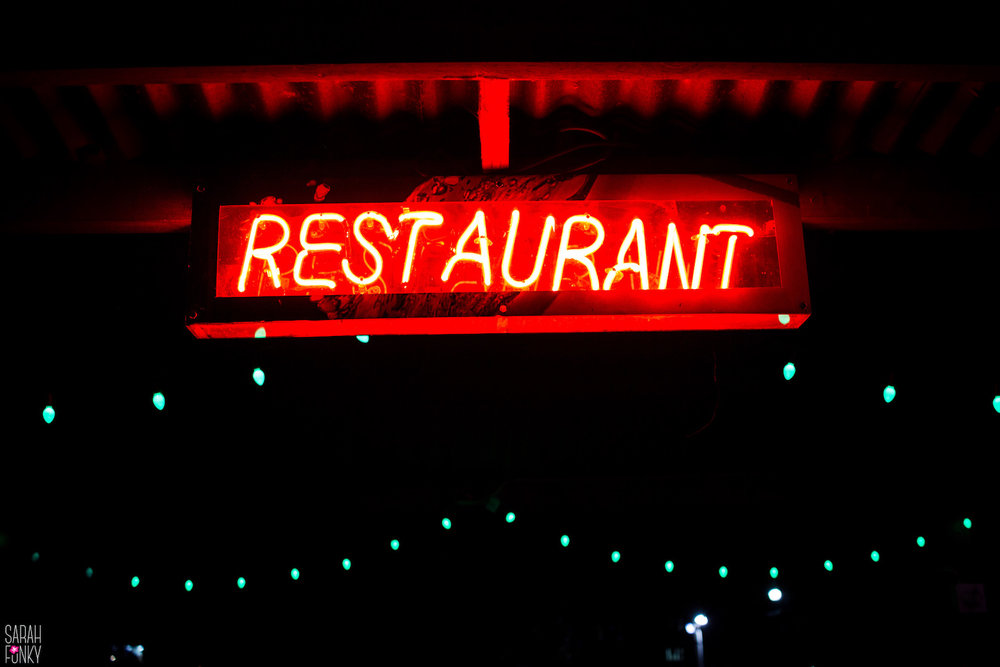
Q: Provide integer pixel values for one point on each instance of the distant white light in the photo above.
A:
(774, 594)
(701, 620)
(690, 628)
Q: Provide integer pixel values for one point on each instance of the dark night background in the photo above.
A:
(688, 446)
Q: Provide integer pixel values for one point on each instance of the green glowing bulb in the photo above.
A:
(789, 370)
(996, 403)
(564, 540)
(89, 572)
(875, 556)
(510, 517)
(723, 571)
(258, 377)
(363, 338)
(48, 414)
(669, 566)
(784, 319)
(295, 574)
(615, 556)
(394, 545)
(967, 522)
(921, 541)
(35, 556)
(446, 523)
(260, 333)
(889, 393)
(159, 401)
(135, 582)
(346, 563)
(241, 582)
(828, 564)
(188, 585)
(774, 573)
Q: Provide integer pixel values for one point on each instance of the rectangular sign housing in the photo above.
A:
(676, 253)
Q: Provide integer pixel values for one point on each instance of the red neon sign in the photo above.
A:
(486, 247)
(675, 252)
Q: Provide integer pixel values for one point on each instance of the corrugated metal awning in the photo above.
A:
(798, 113)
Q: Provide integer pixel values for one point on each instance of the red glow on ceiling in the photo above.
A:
(748, 95)
(219, 97)
(695, 95)
(162, 97)
(276, 97)
(802, 95)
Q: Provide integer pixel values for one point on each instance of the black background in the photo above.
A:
(689, 446)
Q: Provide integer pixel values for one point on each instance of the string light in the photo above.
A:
(774, 594)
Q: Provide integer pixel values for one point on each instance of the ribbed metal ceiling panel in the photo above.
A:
(124, 121)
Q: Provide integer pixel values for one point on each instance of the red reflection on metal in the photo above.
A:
(499, 324)
(495, 246)
(494, 123)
